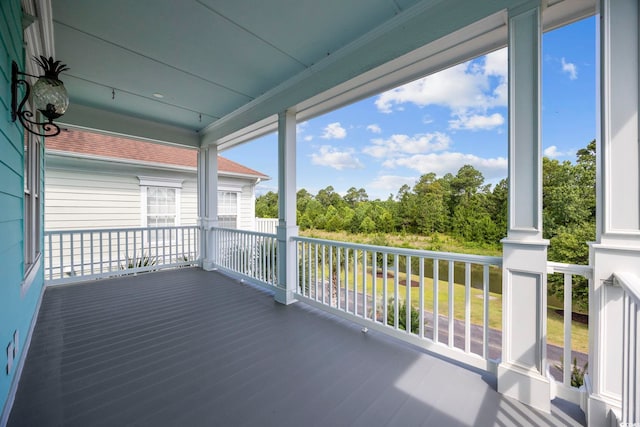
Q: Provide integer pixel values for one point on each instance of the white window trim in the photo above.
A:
(238, 193)
(32, 232)
(32, 272)
(146, 181)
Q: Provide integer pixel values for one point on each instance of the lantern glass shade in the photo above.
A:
(50, 97)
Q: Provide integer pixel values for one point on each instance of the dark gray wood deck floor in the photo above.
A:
(195, 348)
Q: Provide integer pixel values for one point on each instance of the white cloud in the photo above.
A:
(334, 131)
(301, 127)
(553, 153)
(495, 63)
(450, 162)
(374, 128)
(463, 87)
(569, 68)
(334, 158)
(477, 122)
(391, 183)
(427, 119)
(308, 138)
(398, 145)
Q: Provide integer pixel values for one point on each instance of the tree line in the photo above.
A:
(462, 206)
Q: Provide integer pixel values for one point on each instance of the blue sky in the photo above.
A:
(440, 123)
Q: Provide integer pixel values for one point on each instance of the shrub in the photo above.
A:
(577, 373)
(138, 262)
(402, 316)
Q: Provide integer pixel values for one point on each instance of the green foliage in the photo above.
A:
(367, 225)
(577, 373)
(464, 208)
(569, 208)
(402, 316)
(138, 262)
(267, 205)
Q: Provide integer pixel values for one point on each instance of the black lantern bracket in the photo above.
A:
(51, 110)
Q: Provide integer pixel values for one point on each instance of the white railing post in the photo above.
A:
(287, 228)
(522, 372)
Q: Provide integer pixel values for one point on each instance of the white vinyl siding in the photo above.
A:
(78, 199)
(82, 200)
(189, 202)
(97, 194)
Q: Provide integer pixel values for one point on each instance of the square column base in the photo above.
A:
(208, 265)
(284, 296)
(528, 387)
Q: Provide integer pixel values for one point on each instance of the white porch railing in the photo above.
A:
(247, 254)
(420, 286)
(569, 272)
(630, 285)
(75, 255)
(266, 225)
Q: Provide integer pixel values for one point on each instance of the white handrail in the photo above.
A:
(445, 256)
(630, 284)
(83, 254)
(386, 288)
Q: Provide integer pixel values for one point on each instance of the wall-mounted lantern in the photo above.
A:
(48, 96)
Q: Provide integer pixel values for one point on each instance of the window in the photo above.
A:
(32, 217)
(227, 209)
(160, 201)
(161, 207)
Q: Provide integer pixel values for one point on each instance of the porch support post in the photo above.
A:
(287, 227)
(522, 372)
(208, 203)
(617, 247)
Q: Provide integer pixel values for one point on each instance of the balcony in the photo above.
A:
(190, 347)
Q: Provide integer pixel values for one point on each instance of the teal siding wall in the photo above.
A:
(16, 311)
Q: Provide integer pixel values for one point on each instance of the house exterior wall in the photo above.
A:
(18, 298)
(85, 194)
(90, 194)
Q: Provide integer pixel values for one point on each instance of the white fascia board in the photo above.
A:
(243, 175)
(249, 133)
(53, 154)
(109, 123)
(154, 181)
(73, 155)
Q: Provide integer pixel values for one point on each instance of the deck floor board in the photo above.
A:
(189, 347)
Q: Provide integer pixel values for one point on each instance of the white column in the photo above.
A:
(617, 247)
(287, 228)
(208, 202)
(522, 372)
